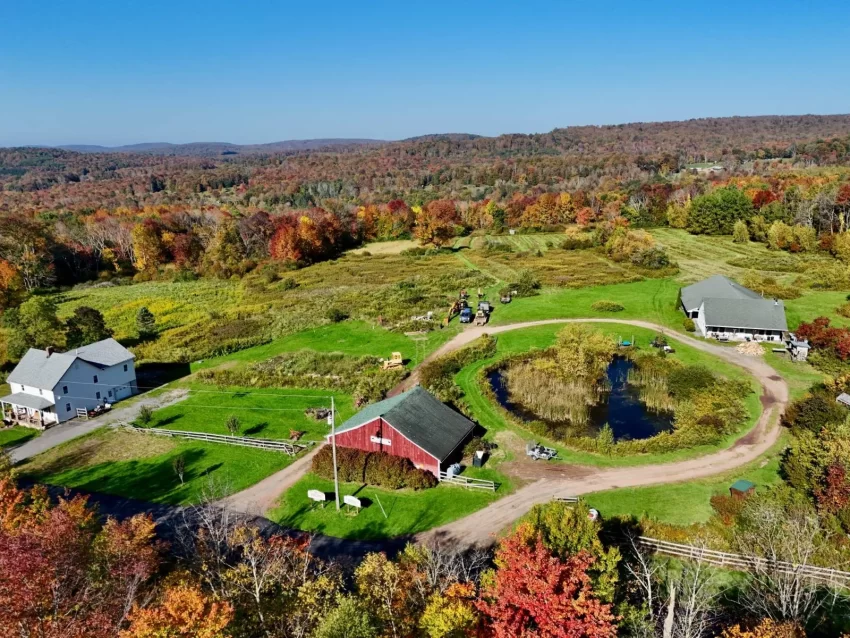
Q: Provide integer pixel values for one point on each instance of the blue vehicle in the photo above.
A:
(466, 315)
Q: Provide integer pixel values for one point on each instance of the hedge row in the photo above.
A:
(374, 468)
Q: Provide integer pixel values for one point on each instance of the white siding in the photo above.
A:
(113, 384)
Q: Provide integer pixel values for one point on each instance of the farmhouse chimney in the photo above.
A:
(50, 350)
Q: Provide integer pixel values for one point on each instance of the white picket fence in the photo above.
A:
(743, 562)
(264, 444)
(465, 481)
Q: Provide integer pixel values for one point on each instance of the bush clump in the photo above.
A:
(438, 376)
(689, 325)
(374, 468)
(607, 306)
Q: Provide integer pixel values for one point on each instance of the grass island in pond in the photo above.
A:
(619, 406)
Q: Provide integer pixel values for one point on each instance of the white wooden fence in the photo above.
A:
(745, 563)
(465, 481)
(264, 444)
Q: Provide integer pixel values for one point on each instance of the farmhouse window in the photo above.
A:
(95, 378)
(125, 367)
(97, 395)
(67, 407)
(64, 389)
(109, 393)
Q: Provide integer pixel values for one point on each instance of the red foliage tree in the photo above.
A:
(63, 576)
(821, 336)
(763, 198)
(834, 495)
(533, 593)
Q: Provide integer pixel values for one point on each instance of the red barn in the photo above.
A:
(414, 425)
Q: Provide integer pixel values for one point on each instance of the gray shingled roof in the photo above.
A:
(105, 353)
(763, 314)
(28, 401)
(716, 287)
(40, 371)
(421, 417)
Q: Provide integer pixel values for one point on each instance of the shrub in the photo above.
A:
(288, 284)
(233, 425)
(684, 381)
(740, 233)
(145, 415)
(727, 507)
(688, 324)
(335, 315)
(375, 468)
(438, 376)
(607, 306)
(844, 309)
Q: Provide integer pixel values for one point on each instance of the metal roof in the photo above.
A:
(716, 287)
(843, 398)
(32, 401)
(742, 485)
(758, 314)
(39, 370)
(420, 417)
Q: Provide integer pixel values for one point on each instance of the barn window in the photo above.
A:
(95, 378)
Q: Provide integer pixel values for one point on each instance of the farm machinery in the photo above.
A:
(394, 362)
(539, 452)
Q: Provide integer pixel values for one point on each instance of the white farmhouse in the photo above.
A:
(48, 387)
(725, 310)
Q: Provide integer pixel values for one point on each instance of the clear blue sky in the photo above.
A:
(246, 71)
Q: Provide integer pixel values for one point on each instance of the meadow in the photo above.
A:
(14, 436)
(232, 324)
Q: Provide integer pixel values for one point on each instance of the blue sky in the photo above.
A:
(249, 72)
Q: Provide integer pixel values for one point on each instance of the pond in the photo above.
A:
(620, 407)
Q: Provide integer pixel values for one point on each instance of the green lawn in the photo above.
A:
(16, 436)
(650, 300)
(266, 413)
(799, 375)
(356, 338)
(140, 466)
(407, 512)
(684, 503)
(543, 336)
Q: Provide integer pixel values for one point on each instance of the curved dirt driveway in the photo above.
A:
(482, 526)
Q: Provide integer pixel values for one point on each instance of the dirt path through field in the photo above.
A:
(569, 480)
(563, 479)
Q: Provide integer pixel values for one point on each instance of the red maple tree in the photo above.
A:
(533, 593)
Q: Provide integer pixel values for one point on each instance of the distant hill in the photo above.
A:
(215, 149)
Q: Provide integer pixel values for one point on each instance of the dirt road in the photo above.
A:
(562, 479)
(482, 526)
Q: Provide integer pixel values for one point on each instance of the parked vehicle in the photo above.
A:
(481, 318)
(539, 452)
(466, 315)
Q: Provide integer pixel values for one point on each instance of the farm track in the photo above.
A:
(481, 527)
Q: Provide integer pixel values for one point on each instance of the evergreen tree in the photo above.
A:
(145, 323)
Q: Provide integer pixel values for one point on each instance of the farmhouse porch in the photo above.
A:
(29, 410)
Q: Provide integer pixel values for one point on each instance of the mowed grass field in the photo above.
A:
(524, 340)
(386, 514)
(268, 413)
(685, 503)
(140, 466)
(11, 437)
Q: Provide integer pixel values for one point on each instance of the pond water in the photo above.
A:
(620, 408)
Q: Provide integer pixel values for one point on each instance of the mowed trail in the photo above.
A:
(482, 526)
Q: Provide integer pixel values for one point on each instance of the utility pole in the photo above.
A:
(333, 449)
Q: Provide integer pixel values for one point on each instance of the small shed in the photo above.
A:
(742, 488)
(844, 399)
(799, 350)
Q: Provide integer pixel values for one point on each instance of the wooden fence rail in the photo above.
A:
(264, 444)
(746, 563)
(465, 481)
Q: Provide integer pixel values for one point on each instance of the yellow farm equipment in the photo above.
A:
(395, 361)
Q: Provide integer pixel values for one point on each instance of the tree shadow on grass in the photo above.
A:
(165, 422)
(256, 429)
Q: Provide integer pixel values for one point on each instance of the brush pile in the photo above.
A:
(750, 348)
